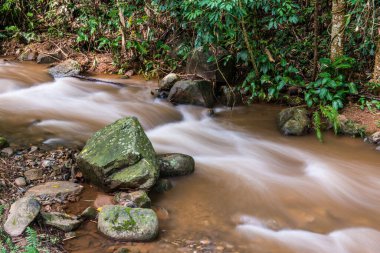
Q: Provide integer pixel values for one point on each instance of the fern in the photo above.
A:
(332, 115)
(32, 241)
(317, 125)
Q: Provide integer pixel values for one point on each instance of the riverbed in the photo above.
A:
(253, 190)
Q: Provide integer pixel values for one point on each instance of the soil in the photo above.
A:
(370, 120)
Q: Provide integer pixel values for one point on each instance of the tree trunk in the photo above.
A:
(337, 28)
(376, 69)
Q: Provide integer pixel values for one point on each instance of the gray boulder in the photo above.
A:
(168, 81)
(120, 156)
(65, 69)
(172, 165)
(192, 92)
(133, 199)
(128, 224)
(48, 58)
(199, 64)
(294, 121)
(62, 221)
(22, 213)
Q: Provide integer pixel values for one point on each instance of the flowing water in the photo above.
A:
(253, 188)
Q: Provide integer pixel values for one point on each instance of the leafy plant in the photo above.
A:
(331, 87)
(330, 115)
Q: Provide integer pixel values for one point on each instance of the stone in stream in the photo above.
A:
(168, 81)
(62, 221)
(198, 92)
(349, 127)
(374, 138)
(294, 121)
(90, 213)
(43, 58)
(133, 199)
(120, 156)
(22, 213)
(128, 224)
(65, 69)
(3, 143)
(55, 191)
(173, 165)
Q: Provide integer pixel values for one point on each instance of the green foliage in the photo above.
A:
(328, 114)
(331, 87)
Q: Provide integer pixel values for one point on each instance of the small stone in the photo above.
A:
(22, 213)
(33, 174)
(47, 163)
(89, 213)
(7, 151)
(374, 138)
(33, 149)
(129, 73)
(20, 181)
(172, 165)
(61, 221)
(205, 242)
(55, 190)
(161, 213)
(103, 200)
(168, 81)
(70, 235)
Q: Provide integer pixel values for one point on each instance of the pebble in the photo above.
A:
(20, 181)
(103, 200)
(33, 174)
(7, 151)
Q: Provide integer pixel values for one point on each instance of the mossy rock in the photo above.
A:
(65, 69)
(162, 185)
(351, 128)
(172, 165)
(128, 224)
(3, 143)
(62, 221)
(120, 156)
(294, 121)
(133, 199)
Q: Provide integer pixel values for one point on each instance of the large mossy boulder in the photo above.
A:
(198, 92)
(128, 224)
(294, 121)
(120, 156)
(173, 165)
(65, 69)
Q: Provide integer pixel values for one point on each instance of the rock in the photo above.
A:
(120, 156)
(374, 138)
(62, 221)
(7, 151)
(55, 191)
(192, 92)
(103, 200)
(20, 181)
(28, 55)
(49, 58)
(198, 63)
(168, 81)
(65, 69)
(294, 121)
(133, 199)
(3, 143)
(89, 213)
(21, 214)
(128, 224)
(161, 213)
(349, 127)
(162, 185)
(33, 174)
(230, 96)
(173, 165)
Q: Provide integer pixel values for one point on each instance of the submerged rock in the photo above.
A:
(133, 199)
(22, 213)
(55, 191)
(120, 156)
(172, 165)
(293, 121)
(62, 221)
(128, 224)
(3, 143)
(162, 185)
(192, 92)
(168, 81)
(65, 69)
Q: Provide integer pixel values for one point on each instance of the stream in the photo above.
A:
(253, 189)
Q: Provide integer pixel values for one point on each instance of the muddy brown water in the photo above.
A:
(253, 190)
